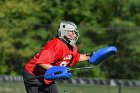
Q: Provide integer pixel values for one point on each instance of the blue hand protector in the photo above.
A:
(57, 72)
(101, 54)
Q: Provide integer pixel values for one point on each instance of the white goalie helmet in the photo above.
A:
(64, 28)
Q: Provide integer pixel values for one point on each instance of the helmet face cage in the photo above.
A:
(64, 28)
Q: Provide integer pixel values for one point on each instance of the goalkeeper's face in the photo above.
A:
(71, 35)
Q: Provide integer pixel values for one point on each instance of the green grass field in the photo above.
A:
(18, 87)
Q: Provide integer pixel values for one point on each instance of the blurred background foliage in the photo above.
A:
(26, 25)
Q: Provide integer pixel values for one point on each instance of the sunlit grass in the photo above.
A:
(18, 87)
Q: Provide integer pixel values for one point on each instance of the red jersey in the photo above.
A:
(56, 53)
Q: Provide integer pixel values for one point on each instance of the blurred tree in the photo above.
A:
(25, 26)
(17, 20)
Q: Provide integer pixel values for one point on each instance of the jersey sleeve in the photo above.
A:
(46, 57)
(50, 53)
(75, 59)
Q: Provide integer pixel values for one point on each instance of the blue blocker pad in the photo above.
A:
(101, 54)
(57, 72)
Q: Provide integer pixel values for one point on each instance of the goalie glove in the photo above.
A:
(57, 72)
(90, 54)
(101, 54)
